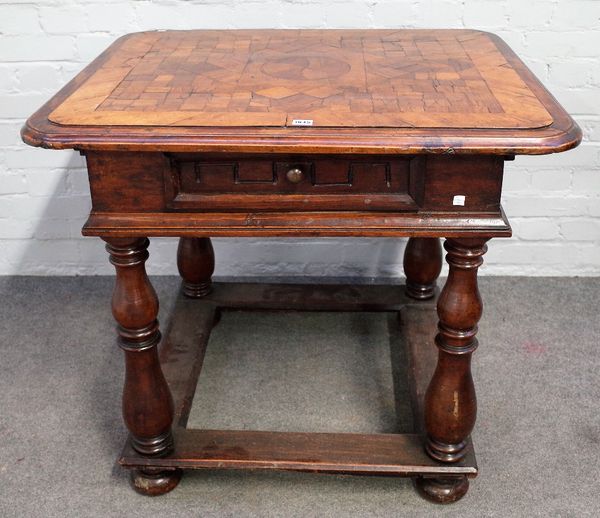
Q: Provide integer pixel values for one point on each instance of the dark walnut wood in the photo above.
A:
(201, 182)
(419, 197)
(301, 133)
(155, 482)
(422, 266)
(147, 403)
(196, 264)
(442, 490)
(399, 455)
(450, 402)
(182, 354)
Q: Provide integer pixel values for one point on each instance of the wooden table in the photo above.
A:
(397, 133)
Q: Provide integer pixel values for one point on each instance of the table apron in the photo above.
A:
(221, 194)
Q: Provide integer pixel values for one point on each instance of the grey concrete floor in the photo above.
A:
(537, 437)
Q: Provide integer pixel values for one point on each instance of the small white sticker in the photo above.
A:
(459, 199)
(302, 122)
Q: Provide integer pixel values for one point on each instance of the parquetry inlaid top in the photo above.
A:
(357, 91)
(337, 78)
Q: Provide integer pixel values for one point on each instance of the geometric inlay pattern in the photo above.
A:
(390, 78)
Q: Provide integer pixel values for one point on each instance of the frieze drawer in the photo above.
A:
(291, 183)
(185, 182)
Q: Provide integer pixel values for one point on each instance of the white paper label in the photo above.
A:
(459, 199)
(302, 122)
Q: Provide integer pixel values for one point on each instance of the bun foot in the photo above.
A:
(154, 483)
(442, 490)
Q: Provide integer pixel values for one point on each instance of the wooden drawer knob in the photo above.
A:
(294, 175)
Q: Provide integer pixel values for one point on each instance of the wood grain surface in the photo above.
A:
(182, 354)
(395, 78)
(296, 224)
(345, 453)
(90, 102)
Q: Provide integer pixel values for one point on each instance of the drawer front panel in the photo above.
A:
(289, 183)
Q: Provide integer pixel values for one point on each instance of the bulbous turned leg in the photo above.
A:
(450, 401)
(196, 264)
(422, 266)
(147, 402)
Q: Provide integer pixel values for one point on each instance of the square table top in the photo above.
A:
(433, 90)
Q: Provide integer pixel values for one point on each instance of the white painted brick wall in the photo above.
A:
(552, 201)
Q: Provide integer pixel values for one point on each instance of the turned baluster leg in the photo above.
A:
(422, 266)
(450, 403)
(147, 402)
(196, 264)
